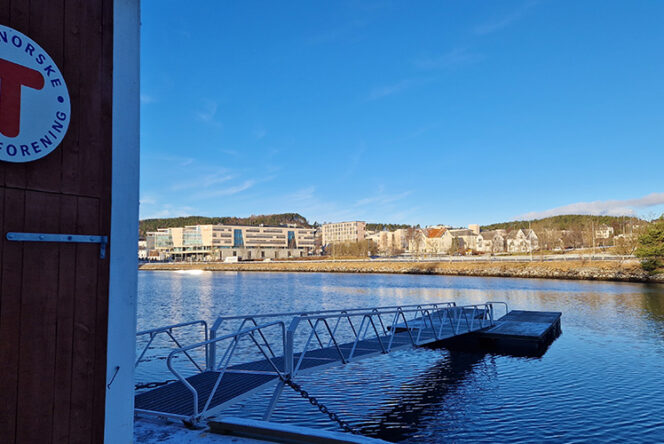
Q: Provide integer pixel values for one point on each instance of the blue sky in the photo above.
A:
(440, 112)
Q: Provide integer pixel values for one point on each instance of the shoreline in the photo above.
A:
(627, 271)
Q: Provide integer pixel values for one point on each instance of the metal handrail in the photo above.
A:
(366, 330)
(212, 352)
(394, 325)
(315, 312)
(222, 370)
(168, 329)
(507, 309)
(172, 326)
(290, 356)
(350, 322)
(436, 321)
(305, 317)
(253, 320)
(455, 314)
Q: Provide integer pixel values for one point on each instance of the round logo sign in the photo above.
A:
(34, 102)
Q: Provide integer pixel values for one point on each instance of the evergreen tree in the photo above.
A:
(651, 245)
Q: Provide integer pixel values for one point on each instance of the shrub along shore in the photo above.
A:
(629, 271)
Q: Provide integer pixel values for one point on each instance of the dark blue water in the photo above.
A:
(602, 380)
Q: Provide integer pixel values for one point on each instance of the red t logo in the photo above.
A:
(12, 77)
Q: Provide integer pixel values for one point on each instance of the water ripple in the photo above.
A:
(601, 381)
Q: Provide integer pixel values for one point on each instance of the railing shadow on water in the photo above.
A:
(402, 412)
(425, 395)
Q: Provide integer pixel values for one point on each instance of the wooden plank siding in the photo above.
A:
(53, 296)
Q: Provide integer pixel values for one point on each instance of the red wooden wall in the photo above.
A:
(54, 297)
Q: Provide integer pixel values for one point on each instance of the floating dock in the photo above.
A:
(519, 325)
(315, 340)
(518, 333)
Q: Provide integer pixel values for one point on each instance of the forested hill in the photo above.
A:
(575, 222)
(265, 219)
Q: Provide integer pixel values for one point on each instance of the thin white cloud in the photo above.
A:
(625, 207)
(354, 161)
(302, 195)
(169, 210)
(380, 208)
(168, 160)
(345, 31)
(259, 133)
(381, 199)
(388, 90)
(233, 153)
(306, 202)
(228, 191)
(504, 21)
(202, 182)
(455, 57)
(145, 99)
(208, 111)
(147, 200)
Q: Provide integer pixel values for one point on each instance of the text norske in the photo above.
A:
(40, 58)
(43, 142)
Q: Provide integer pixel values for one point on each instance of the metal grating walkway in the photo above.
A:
(428, 326)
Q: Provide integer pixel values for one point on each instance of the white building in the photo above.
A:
(604, 232)
(440, 239)
(434, 239)
(491, 241)
(523, 240)
(389, 242)
(343, 232)
(466, 238)
(216, 242)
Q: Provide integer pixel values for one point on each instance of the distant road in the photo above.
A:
(602, 267)
(502, 258)
(483, 258)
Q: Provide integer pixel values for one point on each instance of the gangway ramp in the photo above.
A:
(285, 345)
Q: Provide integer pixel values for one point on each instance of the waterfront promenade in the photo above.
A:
(510, 266)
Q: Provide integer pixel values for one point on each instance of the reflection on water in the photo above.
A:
(600, 381)
(401, 415)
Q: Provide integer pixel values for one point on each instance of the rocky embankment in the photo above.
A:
(588, 270)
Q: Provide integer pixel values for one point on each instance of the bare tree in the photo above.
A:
(456, 246)
(414, 239)
(626, 244)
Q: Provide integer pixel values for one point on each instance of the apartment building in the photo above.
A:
(344, 232)
(466, 238)
(522, 241)
(441, 239)
(216, 242)
(390, 242)
(491, 241)
(159, 244)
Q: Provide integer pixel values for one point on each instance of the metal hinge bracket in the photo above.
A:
(67, 238)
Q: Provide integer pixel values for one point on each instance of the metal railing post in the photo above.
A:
(212, 350)
(290, 346)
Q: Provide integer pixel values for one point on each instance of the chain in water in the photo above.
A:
(303, 393)
(313, 401)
